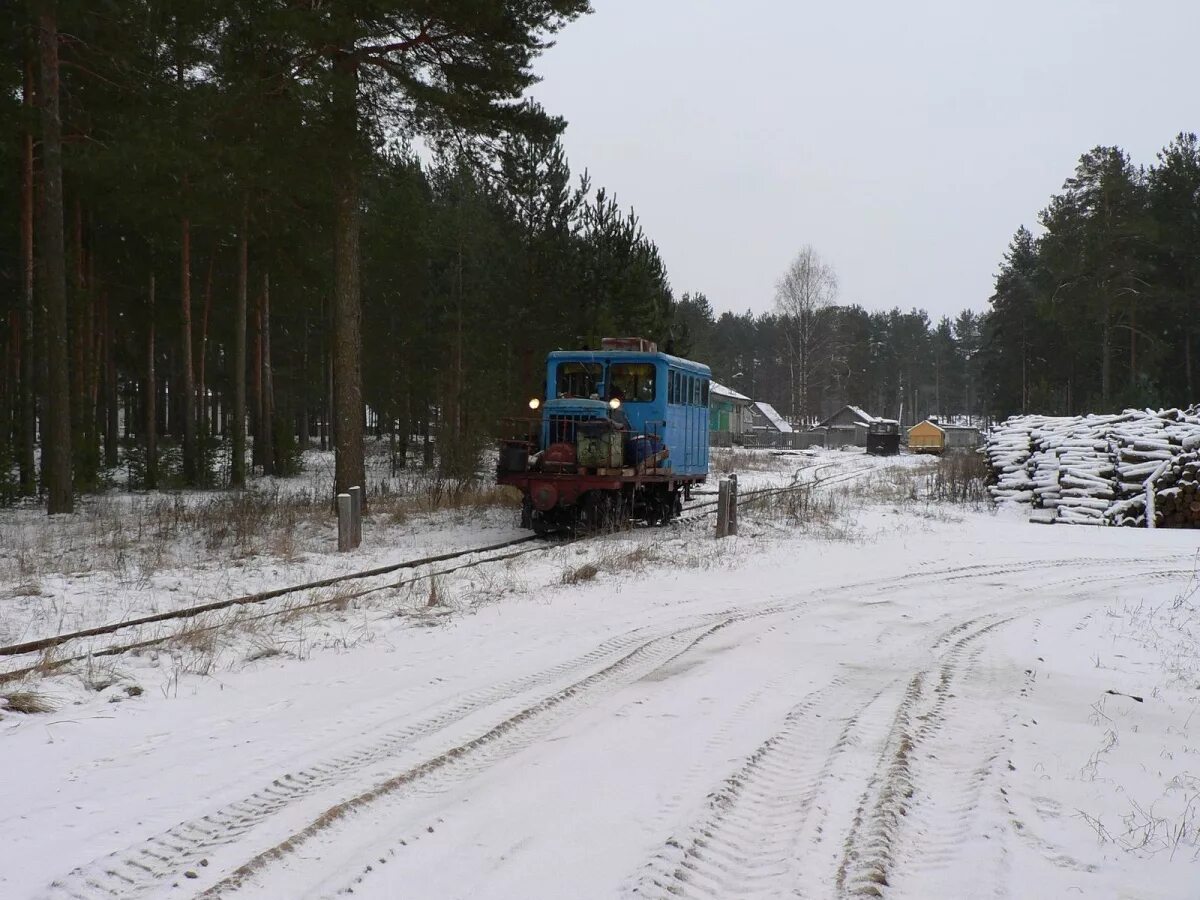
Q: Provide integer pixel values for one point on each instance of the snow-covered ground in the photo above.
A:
(886, 698)
(130, 555)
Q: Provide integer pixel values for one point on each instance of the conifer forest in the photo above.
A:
(236, 229)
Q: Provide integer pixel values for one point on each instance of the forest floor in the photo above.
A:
(866, 693)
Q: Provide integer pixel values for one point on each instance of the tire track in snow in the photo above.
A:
(870, 849)
(713, 745)
(747, 844)
(952, 774)
(465, 760)
(141, 867)
(742, 846)
(145, 866)
(903, 834)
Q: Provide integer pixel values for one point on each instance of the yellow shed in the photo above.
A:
(926, 437)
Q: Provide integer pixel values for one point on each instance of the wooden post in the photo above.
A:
(732, 527)
(345, 528)
(723, 490)
(356, 508)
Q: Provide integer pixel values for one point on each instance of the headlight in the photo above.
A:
(614, 403)
(535, 403)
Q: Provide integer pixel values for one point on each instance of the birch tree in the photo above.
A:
(803, 298)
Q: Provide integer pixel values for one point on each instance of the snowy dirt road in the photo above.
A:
(932, 708)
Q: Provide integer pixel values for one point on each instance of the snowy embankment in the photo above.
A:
(1100, 470)
(126, 555)
(925, 701)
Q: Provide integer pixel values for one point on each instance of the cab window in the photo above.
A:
(578, 379)
(632, 382)
(704, 393)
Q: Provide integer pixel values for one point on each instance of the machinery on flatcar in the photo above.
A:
(622, 434)
(883, 437)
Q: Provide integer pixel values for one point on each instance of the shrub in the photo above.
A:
(960, 477)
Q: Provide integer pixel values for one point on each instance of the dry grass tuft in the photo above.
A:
(586, 572)
(263, 648)
(27, 702)
(724, 460)
(438, 495)
(435, 598)
(960, 477)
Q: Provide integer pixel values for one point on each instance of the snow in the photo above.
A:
(887, 692)
(865, 416)
(131, 555)
(774, 417)
(1096, 469)
(721, 391)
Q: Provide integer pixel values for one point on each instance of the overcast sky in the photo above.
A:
(905, 141)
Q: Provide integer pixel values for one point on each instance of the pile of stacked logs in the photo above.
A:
(1009, 446)
(1137, 468)
(1179, 500)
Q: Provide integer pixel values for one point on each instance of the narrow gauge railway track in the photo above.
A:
(49, 644)
(746, 498)
(496, 553)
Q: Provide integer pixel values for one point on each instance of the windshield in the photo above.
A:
(632, 382)
(578, 379)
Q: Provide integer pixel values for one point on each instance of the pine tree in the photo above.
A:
(1174, 190)
(56, 451)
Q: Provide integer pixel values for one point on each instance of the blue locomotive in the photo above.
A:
(621, 434)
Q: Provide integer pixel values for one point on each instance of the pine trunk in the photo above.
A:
(56, 450)
(349, 468)
(26, 451)
(1106, 363)
(188, 411)
(237, 472)
(77, 336)
(256, 408)
(151, 399)
(303, 424)
(201, 386)
(268, 388)
(111, 399)
(1187, 361)
(327, 411)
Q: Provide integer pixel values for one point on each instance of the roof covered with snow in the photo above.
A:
(856, 416)
(773, 417)
(721, 391)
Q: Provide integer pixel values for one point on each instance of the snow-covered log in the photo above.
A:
(1139, 467)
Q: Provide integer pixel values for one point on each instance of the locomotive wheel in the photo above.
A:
(545, 523)
(598, 512)
(657, 506)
